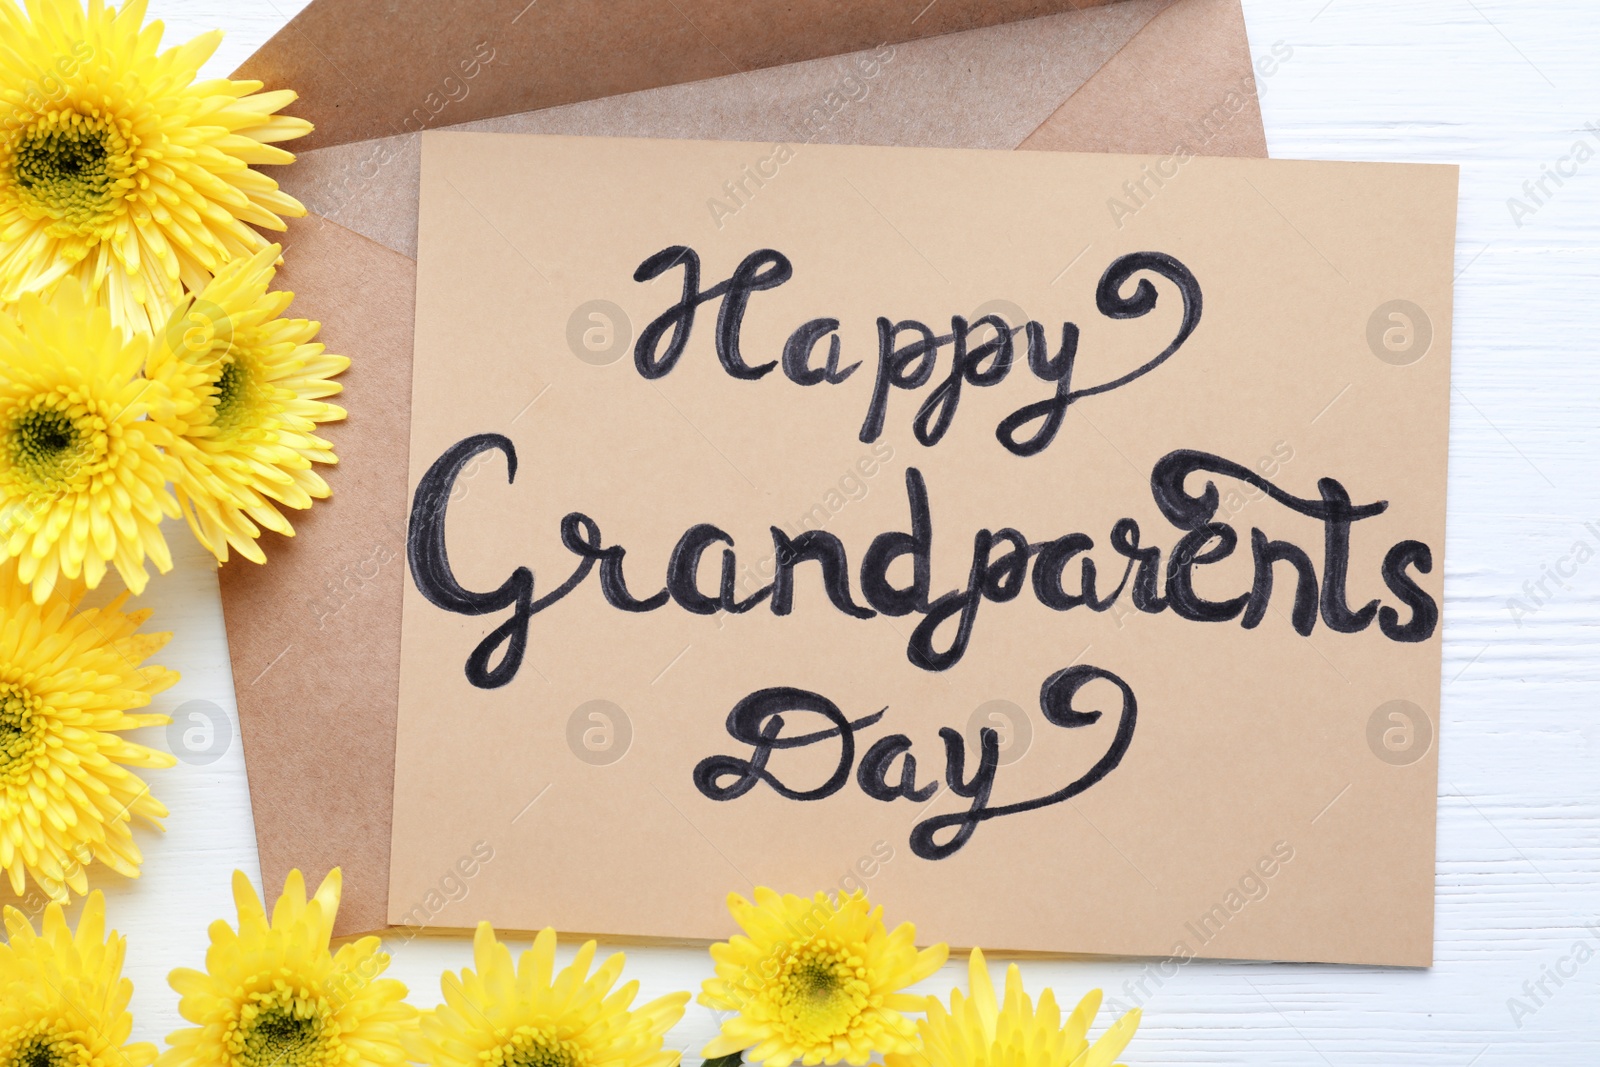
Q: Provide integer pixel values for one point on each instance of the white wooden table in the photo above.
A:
(1505, 88)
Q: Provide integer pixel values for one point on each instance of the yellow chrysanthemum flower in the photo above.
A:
(978, 1031)
(273, 995)
(63, 1000)
(815, 980)
(526, 1015)
(246, 386)
(68, 680)
(82, 472)
(118, 168)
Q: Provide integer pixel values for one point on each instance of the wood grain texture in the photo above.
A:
(1503, 87)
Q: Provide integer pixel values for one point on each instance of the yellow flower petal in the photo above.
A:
(527, 1015)
(979, 1031)
(63, 999)
(240, 387)
(272, 994)
(82, 471)
(117, 168)
(814, 981)
(68, 682)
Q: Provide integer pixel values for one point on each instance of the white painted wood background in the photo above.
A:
(1505, 88)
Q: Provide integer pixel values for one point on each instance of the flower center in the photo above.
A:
(73, 169)
(820, 989)
(231, 384)
(280, 1034)
(39, 1052)
(21, 737)
(279, 1029)
(532, 1047)
(47, 434)
(40, 1045)
(53, 441)
(238, 394)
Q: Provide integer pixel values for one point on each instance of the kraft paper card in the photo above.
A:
(1052, 544)
(1134, 76)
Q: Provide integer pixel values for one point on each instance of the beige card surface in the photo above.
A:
(1085, 599)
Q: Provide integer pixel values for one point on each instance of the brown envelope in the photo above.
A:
(314, 636)
(369, 67)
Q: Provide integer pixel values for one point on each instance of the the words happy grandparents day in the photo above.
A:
(912, 357)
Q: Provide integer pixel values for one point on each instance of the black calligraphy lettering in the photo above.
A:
(998, 580)
(907, 366)
(933, 419)
(888, 547)
(1056, 370)
(797, 354)
(1057, 698)
(829, 553)
(429, 561)
(1212, 542)
(1303, 616)
(873, 774)
(1424, 609)
(758, 721)
(760, 270)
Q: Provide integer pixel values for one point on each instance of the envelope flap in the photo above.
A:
(314, 635)
(940, 92)
(368, 68)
